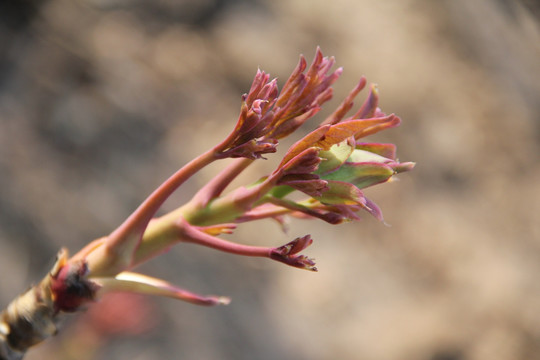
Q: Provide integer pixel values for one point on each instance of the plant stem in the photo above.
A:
(116, 253)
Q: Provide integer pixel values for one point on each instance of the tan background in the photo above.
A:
(100, 100)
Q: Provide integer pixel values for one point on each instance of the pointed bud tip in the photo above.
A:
(301, 262)
(288, 254)
(223, 300)
(308, 264)
(406, 166)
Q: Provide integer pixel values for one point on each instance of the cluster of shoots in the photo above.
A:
(330, 167)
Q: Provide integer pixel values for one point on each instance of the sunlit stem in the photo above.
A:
(217, 185)
(116, 252)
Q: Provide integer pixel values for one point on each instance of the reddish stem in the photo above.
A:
(192, 234)
(117, 250)
(217, 185)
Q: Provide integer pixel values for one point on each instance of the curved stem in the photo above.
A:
(117, 250)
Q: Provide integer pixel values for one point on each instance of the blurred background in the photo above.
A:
(101, 100)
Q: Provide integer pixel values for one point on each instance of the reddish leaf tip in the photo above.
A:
(288, 254)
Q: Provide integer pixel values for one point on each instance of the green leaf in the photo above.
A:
(362, 156)
(342, 193)
(335, 157)
(281, 191)
(361, 175)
